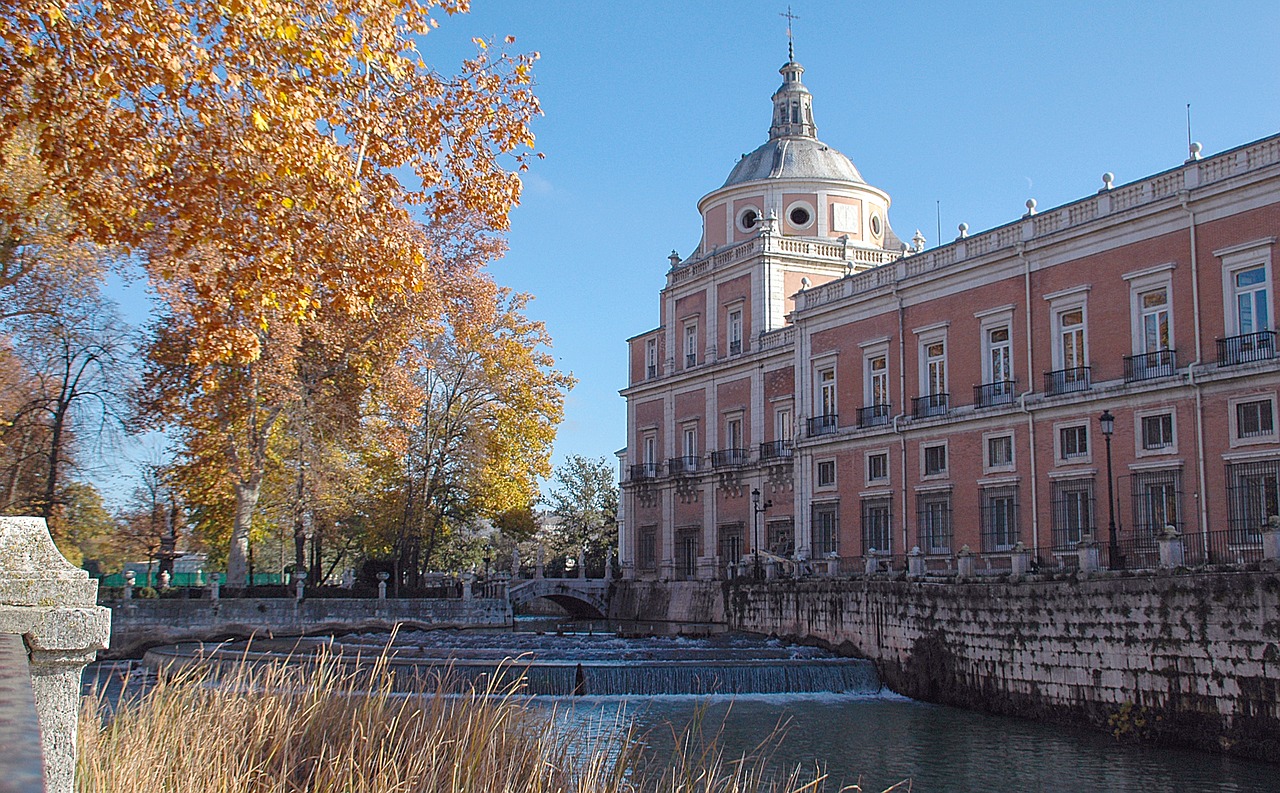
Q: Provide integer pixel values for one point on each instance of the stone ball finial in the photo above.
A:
(964, 230)
(1196, 148)
(805, 283)
(1107, 179)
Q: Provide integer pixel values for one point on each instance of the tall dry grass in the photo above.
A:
(325, 725)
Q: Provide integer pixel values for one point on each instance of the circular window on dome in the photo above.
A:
(875, 225)
(749, 219)
(800, 215)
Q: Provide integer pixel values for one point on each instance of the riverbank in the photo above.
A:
(1188, 659)
(321, 725)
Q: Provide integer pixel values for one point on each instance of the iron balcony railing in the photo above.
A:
(930, 405)
(1258, 346)
(690, 360)
(775, 450)
(822, 425)
(735, 347)
(683, 465)
(873, 415)
(652, 371)
(1064, 381)
(646, 470)
(1000, 392)
(730, 458)
(1150, 365)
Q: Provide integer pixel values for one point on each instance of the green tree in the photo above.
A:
(584, 497)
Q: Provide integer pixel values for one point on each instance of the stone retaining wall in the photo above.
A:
(139, 624)
(1191, 658)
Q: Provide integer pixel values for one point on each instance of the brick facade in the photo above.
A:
(883, 396)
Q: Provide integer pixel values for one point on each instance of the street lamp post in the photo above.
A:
(757, 509)
(1108, 423)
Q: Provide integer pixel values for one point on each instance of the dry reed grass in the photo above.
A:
(325, 726)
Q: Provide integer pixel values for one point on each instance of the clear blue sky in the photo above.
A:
(979, 106)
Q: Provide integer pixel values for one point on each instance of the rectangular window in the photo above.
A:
(781, 537)
(735, 332)
(999, 518)
(731, 543)
(647, 556)
(1071, 339)
(1252, 306)
(877, 534)
(782, 424)
(1000, 451)
(1253, 496)
(1254, 418)
(934, 516)
(651, 358)
(826, 529)
(878, 467)
(650, 449)
(687, 552)
(690, 345)
(690, 441)
(999, 358)
(1157, 499)
(935, 460)
(827, 391)
(935, 362)
(1157, 431)
(1154, 305)
(733, 433)
(1072, 511)
(827, 473)
(1073, 442)
(878, 380)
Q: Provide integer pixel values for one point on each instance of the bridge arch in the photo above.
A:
(582, 598)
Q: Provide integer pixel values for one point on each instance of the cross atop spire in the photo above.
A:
(791, 48)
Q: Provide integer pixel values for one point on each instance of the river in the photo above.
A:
(844, 722)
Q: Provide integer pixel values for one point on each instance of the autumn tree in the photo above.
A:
(584, 496)
(75, 365)
(489, 399)
(269, 161)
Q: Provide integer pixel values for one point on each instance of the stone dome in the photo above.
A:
(794, 158)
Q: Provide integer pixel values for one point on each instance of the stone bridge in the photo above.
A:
(586, 598)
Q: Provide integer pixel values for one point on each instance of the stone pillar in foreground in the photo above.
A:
(52, 605)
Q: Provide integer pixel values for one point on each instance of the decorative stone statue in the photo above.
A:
(537, 571)
(582, 564)
(515, 562)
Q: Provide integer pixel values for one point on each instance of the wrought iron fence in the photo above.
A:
(688, 464)
(775, 450)
(873, 415)
(1001, 392)
(930, 405)
(1150, 365)
(1065, 381)
(646, 470)
(1247, 347)
(730, 458)
(823, 425)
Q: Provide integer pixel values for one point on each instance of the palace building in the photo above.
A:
(821, 391)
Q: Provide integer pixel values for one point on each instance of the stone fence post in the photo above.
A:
(1271, 539)
(915, 562)
(52, 606)
(1172, 552)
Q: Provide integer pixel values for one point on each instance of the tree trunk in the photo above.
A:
(238, 554)
(55, 455)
